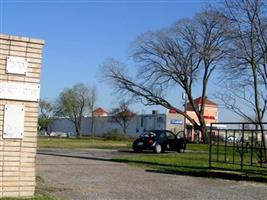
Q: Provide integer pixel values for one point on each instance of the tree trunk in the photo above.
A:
(78, 134)
(125, 130)
(78, 128)
(92, 126)
(258, 111)
(125, 127)
(204, 130)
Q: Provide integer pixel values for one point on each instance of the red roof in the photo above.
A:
(197, 102)
(126, 113)
(100, 111)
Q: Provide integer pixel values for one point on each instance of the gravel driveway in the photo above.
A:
(86, 174)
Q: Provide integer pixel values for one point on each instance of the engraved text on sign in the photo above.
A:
(13, 121)
(16, 65)
(19, 91)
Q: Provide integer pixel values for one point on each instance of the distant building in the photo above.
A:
(103, 123)
(210, 116)
(100, 112)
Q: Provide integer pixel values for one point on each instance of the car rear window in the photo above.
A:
(148, 134)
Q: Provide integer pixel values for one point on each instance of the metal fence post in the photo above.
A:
(242, 147)
(225, 145)
(234, 148)
(210, 143)
(251, 148)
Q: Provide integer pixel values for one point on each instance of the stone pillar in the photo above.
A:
(20, 66)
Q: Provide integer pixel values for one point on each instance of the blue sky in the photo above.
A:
(81, 35)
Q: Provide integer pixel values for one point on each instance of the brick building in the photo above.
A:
(210, 115)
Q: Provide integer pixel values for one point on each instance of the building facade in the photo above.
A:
(104, 123)
(211, 114)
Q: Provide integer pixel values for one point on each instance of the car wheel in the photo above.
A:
(158, 148)
(182, 148)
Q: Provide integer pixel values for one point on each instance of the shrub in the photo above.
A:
(115, 135)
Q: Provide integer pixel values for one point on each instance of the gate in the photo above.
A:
(237, 146)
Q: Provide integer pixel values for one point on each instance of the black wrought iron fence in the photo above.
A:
(237, 145)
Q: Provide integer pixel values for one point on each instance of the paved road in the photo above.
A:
(86, 174)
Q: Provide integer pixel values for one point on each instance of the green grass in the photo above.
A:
(195, 163)
(72, 143)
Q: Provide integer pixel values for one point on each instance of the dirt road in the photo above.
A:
(86, 174)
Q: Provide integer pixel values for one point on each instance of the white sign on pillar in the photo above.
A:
(13, 121)
(16, 65)
(14, 114)
(19, 91)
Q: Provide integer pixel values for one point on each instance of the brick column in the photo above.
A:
(17, 155)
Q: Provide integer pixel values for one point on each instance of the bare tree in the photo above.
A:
(45, 118)
(180, 56)
(92, 105)
(73, 103)
(246, 60)
(123, 115)
(239, 99)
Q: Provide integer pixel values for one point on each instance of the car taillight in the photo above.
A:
(150, 141)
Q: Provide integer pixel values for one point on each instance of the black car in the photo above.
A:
(159, 141)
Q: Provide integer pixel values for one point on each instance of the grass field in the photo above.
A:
(71, 143)
(195, 163)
